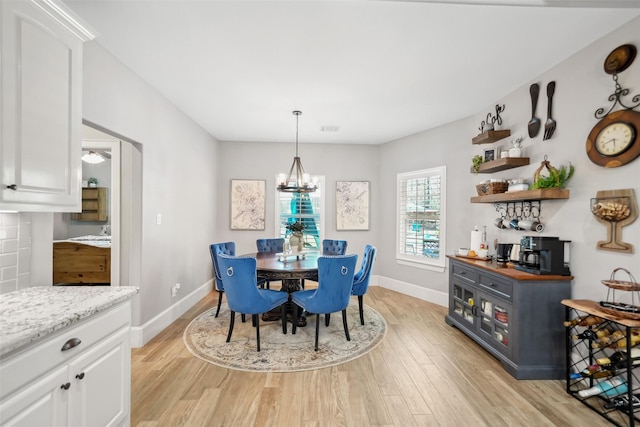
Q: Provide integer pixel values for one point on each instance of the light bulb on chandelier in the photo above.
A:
(297, 181)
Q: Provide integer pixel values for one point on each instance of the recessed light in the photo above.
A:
(329, 128)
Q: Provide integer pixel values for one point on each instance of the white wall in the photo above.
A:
(179, 178)
(250, 160)
(581, 88)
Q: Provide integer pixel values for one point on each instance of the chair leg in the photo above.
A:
(283, 315)
(253, 320)
(219, 302)
(317, 330)
(231, 322)
(295, 316)
(327, 319)
(344, 323)
(360, 297)
(256, 320)
(243, 317)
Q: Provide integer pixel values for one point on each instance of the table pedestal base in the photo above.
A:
(290, 286)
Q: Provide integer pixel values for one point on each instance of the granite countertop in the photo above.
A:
(32, 313)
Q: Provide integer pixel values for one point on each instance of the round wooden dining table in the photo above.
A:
(291, 269)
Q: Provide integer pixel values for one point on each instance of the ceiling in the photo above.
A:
(361, 72)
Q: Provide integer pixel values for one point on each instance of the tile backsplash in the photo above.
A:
(15, 251)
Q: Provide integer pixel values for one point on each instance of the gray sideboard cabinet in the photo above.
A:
(516, 316)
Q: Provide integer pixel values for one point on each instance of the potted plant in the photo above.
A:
(516, 151)
(476, 160)
(557, 178)
(296, 239)
(93, 182)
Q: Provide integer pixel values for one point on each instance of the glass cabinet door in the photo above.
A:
(494, 322)
(463, 300)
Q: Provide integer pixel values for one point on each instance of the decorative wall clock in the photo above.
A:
(615, 140)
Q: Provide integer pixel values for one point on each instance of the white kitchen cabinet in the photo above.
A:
(86, 385)
(41, 107)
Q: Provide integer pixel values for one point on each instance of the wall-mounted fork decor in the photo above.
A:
(550, 125)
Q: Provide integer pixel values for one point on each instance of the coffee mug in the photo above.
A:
(514, 223)
(499, 222)
(531, 224)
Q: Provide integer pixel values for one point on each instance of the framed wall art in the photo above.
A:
(491, 154)
(352, 205)
(248, 204)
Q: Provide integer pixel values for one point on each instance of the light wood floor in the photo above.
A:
(425, 373)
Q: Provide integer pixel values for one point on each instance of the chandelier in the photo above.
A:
(297, 181)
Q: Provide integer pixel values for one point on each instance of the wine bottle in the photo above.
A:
(609, 388)
(622, 402)
(635, 340)
(592, 334)
(617, 360)
(593, 371)
(617, 339)
(584, 321)
(609, 340)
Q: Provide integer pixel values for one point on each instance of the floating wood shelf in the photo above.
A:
(502, 164)
(491, 136)
(541, 194)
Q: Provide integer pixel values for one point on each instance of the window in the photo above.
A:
(421, 218)
(307, 208)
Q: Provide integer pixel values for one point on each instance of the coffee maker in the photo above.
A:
(543, 255)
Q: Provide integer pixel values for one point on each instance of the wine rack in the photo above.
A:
(585, 349)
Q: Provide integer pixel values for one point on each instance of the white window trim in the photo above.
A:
(323, 193)
(418, 261)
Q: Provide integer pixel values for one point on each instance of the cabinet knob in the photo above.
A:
(73, 342)
(12, 187)
(80, 375)
(65, 386)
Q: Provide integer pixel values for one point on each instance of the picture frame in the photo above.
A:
(352, 205)
(491, 154)
(248, 204)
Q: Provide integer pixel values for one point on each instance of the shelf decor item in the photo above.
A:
(492, 188)
(612, 306)
(557, 178)
(93, 182)
(615, 209)
(476, 161)
(516, 150)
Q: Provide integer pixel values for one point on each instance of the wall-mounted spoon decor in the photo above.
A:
(534, 123)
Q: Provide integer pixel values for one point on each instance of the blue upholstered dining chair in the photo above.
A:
(361, 278)
(226, 248)
(269, 245)
(330, 247)
(244, 296)
(335, 278)
(334, 247)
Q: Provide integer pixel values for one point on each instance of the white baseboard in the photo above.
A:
(425, 294)
(140, 335)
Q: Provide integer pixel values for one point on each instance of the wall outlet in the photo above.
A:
(174, 290)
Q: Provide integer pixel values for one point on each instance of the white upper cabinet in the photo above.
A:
(41, 106)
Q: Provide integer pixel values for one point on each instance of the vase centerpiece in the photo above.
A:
(296, 239)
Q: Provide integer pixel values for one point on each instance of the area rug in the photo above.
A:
(206, 335)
